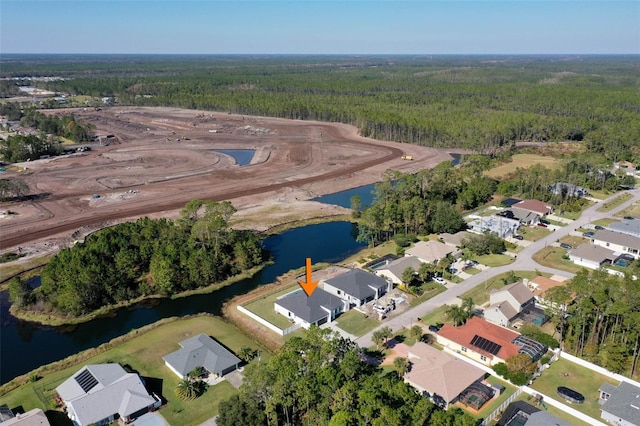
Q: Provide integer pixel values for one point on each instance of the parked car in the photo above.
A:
(543, 225)
(381, 309)
(599, 228)
(566, 246)
(589, 234)
(518, 237)
(629, 217)
(440, 280)
(434, 328)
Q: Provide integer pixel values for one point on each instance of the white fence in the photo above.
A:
(498, 411)
(267, 324)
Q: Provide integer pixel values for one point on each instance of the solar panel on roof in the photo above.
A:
(486, 345)
(86, 380)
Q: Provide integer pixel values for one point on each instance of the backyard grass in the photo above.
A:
(367, 254)
(472, 271)
(523, 161)
(533, 233)
(356, 323)
(263, 307)
(615, 202)
(553, 257)
(480, 293)
(144, 354)
(572, 215)
(493, 260)
(576, 377)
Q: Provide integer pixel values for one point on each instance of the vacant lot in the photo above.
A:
(523, 161)
(144, 354)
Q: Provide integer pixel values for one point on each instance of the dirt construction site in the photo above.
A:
(151, 161)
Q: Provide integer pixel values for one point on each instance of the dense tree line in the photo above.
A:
(20, 148)
(66, 125)
(430, 201)
(601, 318)
(146, 257)
(12, 188)
(320, 379)
(441, 101)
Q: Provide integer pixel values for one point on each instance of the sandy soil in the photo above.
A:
(160, 158)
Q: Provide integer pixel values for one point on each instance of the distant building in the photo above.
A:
(501, 226)
(540, 285)
(620, 404)
(393, 270)
(430, 251)
(568, 189)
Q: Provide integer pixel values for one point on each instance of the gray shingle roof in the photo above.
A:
(618, 238)
(310, 309)
(624, 403)
(358, 283)
(116, 390)
(593, 253)
(631, 227)
(398, 266)
(201, 351)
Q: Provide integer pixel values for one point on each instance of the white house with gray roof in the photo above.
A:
(357, 286)
(430, 251)
(620, 404)
(508, 302)
(101, 393)
(393, 271)
(501, 226)
(591, 256)
(621, 243)
(626, 226)
(319, 308)
(201, 351)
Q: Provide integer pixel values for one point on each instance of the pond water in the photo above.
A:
(242, 156)
(343, 198)
(26, 346)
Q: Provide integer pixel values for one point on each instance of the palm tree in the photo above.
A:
(186, 389)
(246, 353)
(456, 314)
(401, 365)
(377, 338)
(386, 334)
(416, 332)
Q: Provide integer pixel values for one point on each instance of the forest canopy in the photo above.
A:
(146, 257)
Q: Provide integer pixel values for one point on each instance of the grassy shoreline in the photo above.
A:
(56, 320)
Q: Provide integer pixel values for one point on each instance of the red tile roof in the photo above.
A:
(535, 206)
(463, 335)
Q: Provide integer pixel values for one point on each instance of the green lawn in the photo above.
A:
(144, 354)
(436, 316)
(472, 271)
(581, 379)
(263, 307)
(604, 222)
(429, 290)
(633, 210)
(480, 293)
(533, 233)
(356, 323)
(493, 260)
(553, 257)
(573, 240)
(572, 215)
(605, 207)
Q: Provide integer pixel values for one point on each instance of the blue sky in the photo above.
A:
(320, 27)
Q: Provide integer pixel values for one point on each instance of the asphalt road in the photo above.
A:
(523, 262)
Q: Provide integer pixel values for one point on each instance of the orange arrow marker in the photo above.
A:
(309, 285)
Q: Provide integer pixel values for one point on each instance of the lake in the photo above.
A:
(243, 157)
(26, 346)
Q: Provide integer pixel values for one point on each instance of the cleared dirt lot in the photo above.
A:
(159, 158)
